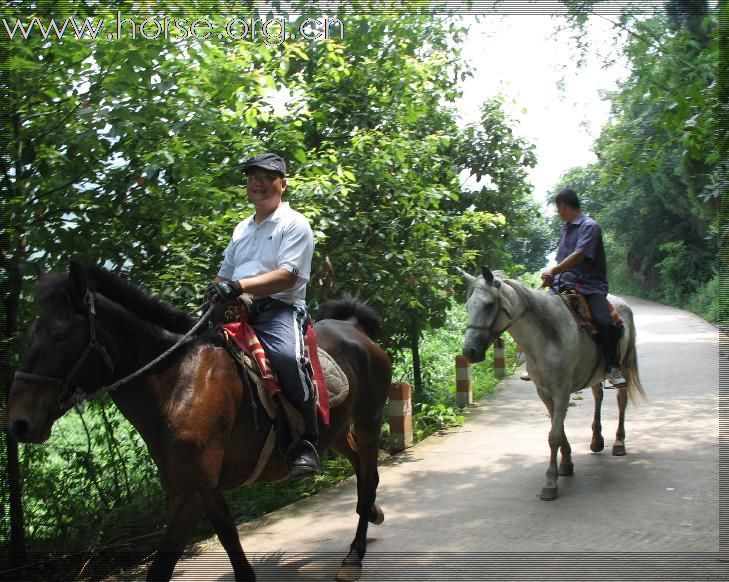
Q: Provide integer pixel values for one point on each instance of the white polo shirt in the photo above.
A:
(283, 241)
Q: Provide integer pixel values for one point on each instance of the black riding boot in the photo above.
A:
(301, 456)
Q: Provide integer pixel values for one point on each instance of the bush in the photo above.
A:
(438, 348)
(708, 301)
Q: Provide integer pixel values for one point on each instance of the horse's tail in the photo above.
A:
(355, 309)
(630, 364)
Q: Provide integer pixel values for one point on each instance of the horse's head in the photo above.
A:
(62, 355)
(484, 306)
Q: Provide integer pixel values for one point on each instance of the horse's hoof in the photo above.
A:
(597, 445)
(349, 572)
(567, 470)
(548, 494)
(619, 450)
(376, 515)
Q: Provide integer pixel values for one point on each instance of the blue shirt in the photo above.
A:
(590, 276)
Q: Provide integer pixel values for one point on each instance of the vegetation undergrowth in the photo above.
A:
(435, 407)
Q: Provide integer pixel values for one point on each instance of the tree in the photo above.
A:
(499, 160)
(125, 153)
(655, 187)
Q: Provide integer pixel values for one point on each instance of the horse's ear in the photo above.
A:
(467, 276)
(79, 284)
(488, 275)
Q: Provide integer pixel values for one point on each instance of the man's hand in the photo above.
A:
(223, 291)
(547, 278)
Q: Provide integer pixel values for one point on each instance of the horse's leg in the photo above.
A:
(217, 512)
(566, 467)
(185, 513)
(619, 446)
(598, 443)
(557, 407)
(367, 438)
(343, 447)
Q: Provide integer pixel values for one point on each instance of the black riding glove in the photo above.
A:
(224, 290)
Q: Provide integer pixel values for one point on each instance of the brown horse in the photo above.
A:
(192, 409)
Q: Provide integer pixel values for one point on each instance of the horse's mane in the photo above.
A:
(55, 287)
(539, 305)
(351, 307)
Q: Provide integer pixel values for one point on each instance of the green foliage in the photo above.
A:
(125, 153)
(709, 301)
(430, 418)
(438, 348)
(101, 477)
(654, 189)
(499, 160)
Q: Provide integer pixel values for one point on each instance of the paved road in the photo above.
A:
(464, 505)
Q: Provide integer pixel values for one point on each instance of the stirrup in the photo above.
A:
(302, 459)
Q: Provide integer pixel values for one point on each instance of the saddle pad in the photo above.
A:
(331, 383)
(336, 382)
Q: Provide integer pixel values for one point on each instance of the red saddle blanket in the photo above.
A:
(246, 339)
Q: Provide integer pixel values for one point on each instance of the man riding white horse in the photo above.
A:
(269, 257)
(581, 267)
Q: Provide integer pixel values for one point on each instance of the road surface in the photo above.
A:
(464, 505)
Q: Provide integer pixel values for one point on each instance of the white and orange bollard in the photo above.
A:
(401, 417)
(464, 386)
(499, 359)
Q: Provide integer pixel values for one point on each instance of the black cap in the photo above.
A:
(270, 162)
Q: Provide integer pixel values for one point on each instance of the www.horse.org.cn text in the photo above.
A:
(271, 31)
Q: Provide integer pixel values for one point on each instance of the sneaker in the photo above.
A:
(616, 377)
(525, 376)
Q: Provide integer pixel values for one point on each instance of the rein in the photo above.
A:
(70, 397)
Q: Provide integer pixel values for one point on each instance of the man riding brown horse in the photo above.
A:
(269, 257)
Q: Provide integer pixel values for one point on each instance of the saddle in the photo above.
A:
(580, 310)
(330, 382)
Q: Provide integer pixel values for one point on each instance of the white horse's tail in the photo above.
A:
(630, 365)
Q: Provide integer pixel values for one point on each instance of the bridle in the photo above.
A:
(494, 335)
(69, 395)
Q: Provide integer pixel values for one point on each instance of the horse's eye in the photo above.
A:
(60, 337)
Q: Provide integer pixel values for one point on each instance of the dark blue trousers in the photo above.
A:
(608, 335)
(280, 328)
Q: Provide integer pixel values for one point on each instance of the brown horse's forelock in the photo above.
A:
(54, 291)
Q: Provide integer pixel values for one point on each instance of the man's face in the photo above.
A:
(264, 186)
(563, 211)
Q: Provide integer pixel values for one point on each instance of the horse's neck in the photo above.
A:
(135, 344)
(526, 328)
(135, 341)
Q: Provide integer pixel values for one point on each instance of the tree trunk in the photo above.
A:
(415, 348)
(12, 471)
(17, 525)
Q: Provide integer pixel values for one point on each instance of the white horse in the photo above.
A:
(561, 357)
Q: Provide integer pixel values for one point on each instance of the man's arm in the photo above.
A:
(569, 262)
(267, 283)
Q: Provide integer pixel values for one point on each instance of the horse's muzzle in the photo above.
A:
(474, 355)
(22, 431)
